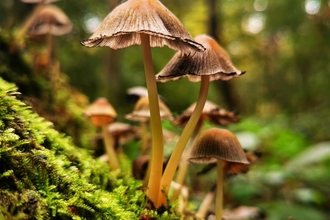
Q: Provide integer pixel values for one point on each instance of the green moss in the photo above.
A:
(43, 175)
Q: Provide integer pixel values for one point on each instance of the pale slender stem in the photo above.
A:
(157, 150)
(109, 148)
(144, 138)
(219, 193)
(205, 205)
(183, 140)
(182, 171)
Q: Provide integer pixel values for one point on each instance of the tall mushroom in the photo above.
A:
(219, 146)
(150, 24)
(212, 64)
(212, 113)
(101, 113)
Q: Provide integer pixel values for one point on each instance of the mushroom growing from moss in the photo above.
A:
(218, 146)
(150, 24)
(101, 113)
(212, 64)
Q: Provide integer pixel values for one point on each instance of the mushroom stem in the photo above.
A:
(50, 54)
(157, 151)
(144, 138)
(109, 148)
(184, 163)
(183, 140)
(219, 192)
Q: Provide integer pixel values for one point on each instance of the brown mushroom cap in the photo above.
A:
(211, 112)
(214, 62)
(101, 112)
(123, 26)
(141, 111)
(217, 144)
(50, 20)
(123, 132)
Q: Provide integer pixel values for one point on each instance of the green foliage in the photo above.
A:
(44, 176)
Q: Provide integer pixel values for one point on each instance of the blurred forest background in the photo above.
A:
(282, 100)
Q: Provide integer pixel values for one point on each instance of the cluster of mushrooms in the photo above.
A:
(150, 24)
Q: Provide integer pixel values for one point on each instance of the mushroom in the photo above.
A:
(141, 113)
(101, 113)
(48, 22)
(210, 112)
(122, 133)
(212, 64)
(37, 8)
(151, 24)
(218, 146)
(136, 92)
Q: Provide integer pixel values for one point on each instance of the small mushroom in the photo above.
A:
(211, 112)
(122, 133)
(218, 146)
(50, 20)
(150, 24)
(212, 64)
(141, 113)
(101, 113)
(29, 20)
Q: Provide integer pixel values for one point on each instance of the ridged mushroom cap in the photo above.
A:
(214, 62)
(141, 111)
(122, 27)
(101, 112)
(217, 144)
(50, 20)
(211, 112)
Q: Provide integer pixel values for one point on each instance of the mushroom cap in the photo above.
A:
(50, 20)
(39, 1)
(101, 112)
(141, 111)
(122, 27)
(124, 132)
(211, 112)
(214, 62)
(231, 168)
(139, 91)
(217, 144)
